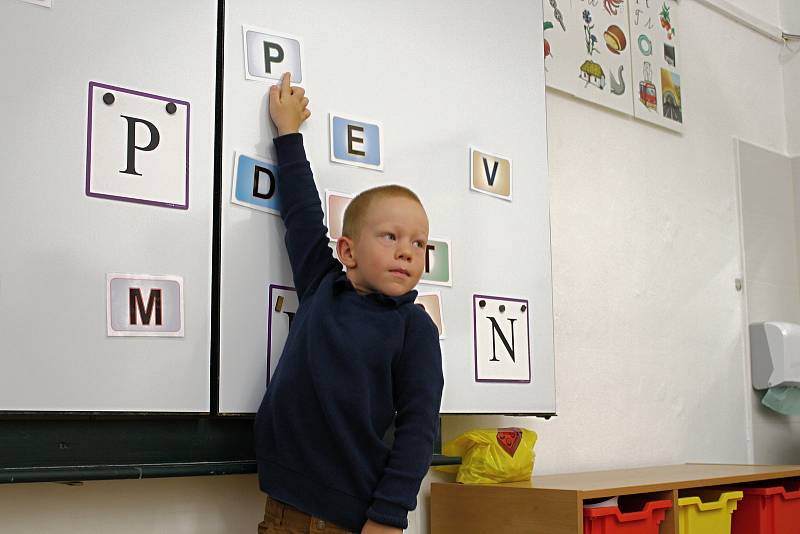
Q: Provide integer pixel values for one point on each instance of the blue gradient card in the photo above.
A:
(255, 183)
(356, 142)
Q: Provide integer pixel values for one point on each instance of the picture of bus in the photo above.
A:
(647, 94)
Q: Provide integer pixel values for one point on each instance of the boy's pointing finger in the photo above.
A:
(286, 88)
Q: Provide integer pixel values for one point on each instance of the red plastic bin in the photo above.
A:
(767, 511)
(609, 520)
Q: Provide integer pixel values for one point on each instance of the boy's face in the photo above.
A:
(388, 255)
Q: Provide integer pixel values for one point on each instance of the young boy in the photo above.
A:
(359, 355)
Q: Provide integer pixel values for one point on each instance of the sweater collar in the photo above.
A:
(342, 283)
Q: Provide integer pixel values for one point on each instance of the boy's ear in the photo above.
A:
(344, 249)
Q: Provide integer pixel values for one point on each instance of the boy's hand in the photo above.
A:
(371, 527)
(287, 106)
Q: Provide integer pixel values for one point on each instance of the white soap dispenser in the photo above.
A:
(775, 354)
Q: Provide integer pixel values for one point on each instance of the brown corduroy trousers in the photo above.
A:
(280, 518)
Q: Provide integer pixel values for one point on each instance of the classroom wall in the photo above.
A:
(650, 356)
(767, 10)
(649, 347)
(194, 505)
(791, 76)
(769, 188)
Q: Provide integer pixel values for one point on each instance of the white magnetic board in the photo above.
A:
(440, 77)
(59, 244)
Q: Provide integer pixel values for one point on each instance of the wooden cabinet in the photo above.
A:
(553, 504)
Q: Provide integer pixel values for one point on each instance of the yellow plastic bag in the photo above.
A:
(492, 455)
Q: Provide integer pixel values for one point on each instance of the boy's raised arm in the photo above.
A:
(306, 239)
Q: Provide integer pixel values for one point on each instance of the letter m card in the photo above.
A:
(144, 305)
(502, 339)
(137, 147)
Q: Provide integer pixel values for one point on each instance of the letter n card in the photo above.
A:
(490, 174)
(144, 305)
(282, 309)
(137, 147)
(356, 142)
(502, 339)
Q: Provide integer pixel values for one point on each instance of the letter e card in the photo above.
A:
(357, 142)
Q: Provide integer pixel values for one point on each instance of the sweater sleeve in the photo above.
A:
(417, 381)
(306, 236)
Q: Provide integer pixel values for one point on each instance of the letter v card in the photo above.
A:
(490, 173)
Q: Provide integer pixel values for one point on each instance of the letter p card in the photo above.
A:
(502, 339)
(268, 55)
(137, 147)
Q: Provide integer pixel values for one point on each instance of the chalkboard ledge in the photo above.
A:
(76, 473)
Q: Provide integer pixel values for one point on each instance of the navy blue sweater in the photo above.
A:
(351, 364)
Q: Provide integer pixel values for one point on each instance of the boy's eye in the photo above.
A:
(419, 244)
(389, 236)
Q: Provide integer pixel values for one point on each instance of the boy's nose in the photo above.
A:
(404, 252)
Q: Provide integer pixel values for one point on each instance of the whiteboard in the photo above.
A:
(439, 77)
(59, 245)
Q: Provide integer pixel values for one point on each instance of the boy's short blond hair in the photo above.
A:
(356, 211)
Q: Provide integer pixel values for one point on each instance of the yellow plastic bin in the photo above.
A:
(698, 517)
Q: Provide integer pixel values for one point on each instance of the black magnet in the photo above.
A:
(482, 303)
(523, 308)
(108, 98)
(502, 308)
(171, 108)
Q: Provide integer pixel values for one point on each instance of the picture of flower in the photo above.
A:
(591, 40)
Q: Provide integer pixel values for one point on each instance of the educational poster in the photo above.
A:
(137, 147)
(267, 55)
(438, 263)
(282, 308)
(587, 50)
(656, 62)
(502, 339)
(562, 44)
(490, 174)
(144, 305)
(356, 142)
(335, 205)
(432, 304)
(255, 183)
